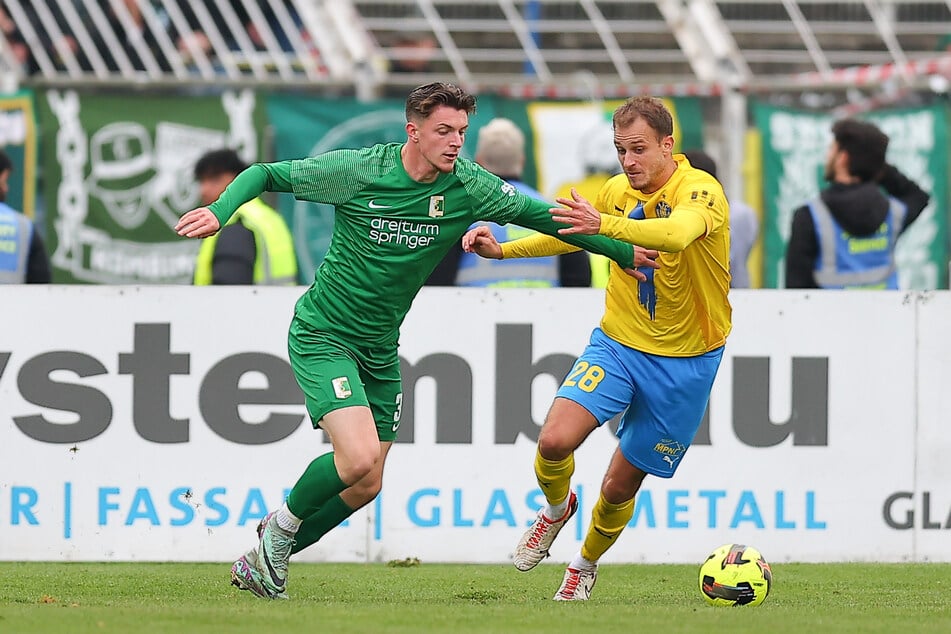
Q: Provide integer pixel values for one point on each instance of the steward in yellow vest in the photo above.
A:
(255, 247)
(274, 260)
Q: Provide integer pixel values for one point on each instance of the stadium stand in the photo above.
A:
(488, 44)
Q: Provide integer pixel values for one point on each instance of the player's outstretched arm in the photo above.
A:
(198, 223)
(578, 213)
(249, 184)
(481, 242)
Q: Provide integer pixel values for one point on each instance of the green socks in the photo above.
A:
(320, 523)
(316, 486)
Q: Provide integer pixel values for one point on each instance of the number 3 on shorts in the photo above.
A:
(590, 376)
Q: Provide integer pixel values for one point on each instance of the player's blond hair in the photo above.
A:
(651, 109)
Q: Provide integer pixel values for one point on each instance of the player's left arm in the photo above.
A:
(249, 184)
(538, 245)
(498, 201)
(672, 234)
(535, 215)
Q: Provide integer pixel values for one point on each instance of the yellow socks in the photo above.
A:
(607, 522)
(554, 477)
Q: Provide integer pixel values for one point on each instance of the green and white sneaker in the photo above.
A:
(273, 554)
(246, 577)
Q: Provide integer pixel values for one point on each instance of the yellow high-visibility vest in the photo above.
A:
(275, 264)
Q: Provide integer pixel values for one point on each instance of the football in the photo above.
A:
(735, 574)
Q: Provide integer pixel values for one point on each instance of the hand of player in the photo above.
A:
(481, 242)
(198, 223)
(643, 258)
(578, 213)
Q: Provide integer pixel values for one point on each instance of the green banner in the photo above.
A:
(119, 173)
(795, 146)
(18, 140)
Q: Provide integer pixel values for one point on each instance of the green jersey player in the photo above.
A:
(399, 209)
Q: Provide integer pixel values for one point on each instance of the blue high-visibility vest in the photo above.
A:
(16, 233)
(848, 261)
(513, 272)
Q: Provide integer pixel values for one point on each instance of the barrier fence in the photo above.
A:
(166, 432)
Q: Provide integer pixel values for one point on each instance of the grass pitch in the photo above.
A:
(184, 598)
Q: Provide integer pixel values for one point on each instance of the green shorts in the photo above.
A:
(333, 375)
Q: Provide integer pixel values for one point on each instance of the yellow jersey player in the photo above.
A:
(657, 350)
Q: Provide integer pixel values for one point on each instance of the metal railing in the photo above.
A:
(370, 45)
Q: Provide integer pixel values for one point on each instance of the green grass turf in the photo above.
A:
(184, 598)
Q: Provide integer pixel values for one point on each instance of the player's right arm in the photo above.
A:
(249, 184)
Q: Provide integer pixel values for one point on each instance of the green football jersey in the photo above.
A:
(390, 231)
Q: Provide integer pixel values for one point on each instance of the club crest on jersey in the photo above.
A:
(342, 387)
(437, 206)
(662, 209)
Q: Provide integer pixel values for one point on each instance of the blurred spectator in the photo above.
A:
(217, 11)
(51, 42)
(133, 32)
(255, 247)
(501, 150)
(845, 237)
(599, 158)
(744, 224)
(19, 48)
(23, 257)
(413, 53)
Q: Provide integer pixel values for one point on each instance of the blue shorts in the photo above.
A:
(663, 398)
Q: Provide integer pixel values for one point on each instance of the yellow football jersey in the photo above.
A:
(683, 309)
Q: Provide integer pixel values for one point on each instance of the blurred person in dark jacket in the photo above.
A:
(845, 237)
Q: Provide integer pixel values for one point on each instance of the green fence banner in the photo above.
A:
(795, 146)
(19, 140)
(119, 173)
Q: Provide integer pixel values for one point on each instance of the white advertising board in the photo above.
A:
(159, 423)
(925, 508)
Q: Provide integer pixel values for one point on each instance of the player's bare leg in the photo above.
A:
(565, 428)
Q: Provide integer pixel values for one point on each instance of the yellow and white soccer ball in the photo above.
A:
(735, 574)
